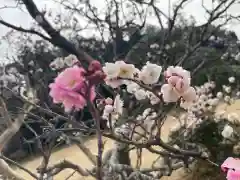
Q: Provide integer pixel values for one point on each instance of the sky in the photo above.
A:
(20, 18)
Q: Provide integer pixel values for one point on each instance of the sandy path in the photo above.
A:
(74, 155)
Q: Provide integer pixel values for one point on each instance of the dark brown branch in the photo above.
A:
(56, 38)
(24, 30)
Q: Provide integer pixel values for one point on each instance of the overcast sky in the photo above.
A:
(20, 18)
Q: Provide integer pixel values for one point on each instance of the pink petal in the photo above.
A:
(190, 95)
(68, 105)
(233, 174)
(70, 74)
(92, 93)
(173, 80)
(230, 163)
(169, 95)
(109, 101)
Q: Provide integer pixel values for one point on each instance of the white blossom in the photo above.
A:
(237, 57)
(150, 73)
(227, 131)
(153, 46)
(219, 95)
(126, 70)
(231, 79)
(118, 105)
(140, 94)
(213, 102)
(58, 63)
(212, 38)
(70, 60)
(108, 109)
(146, 112)
(111, 70)
(238, 93)
(132, 87)
(227, 99)
(139, 118)
(227, 89)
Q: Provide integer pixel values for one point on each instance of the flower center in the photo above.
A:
(123, 71)
(72, 83)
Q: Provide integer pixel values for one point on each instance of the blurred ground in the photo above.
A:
(74, 155)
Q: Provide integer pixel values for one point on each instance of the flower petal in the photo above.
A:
(169, 95)
(190, 95)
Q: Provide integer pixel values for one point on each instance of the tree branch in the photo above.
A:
(56, 38)
(24, 30)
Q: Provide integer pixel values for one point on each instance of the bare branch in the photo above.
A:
(24, 30)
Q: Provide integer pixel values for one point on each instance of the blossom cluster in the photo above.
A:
(177, 81)
(206, 108)
(60, 63)
(75, 85)
(208, 102)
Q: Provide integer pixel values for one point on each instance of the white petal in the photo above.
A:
(114, 83)
(118, 104)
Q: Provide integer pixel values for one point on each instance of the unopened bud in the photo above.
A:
(94, 66)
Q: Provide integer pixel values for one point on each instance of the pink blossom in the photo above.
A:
(233, 174)
(109, 101)
(178, 85)
(70, 88)
(178, 78)
(232, 167)
(169, 94)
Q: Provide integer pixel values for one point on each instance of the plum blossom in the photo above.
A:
(231, 79)
(140, 94)
(118, 105)
(70, 60)
(169, 94)
(150, 73)
(115, 110)
(69, 88)
(153, 98)
(154, 46)
(237, 57)
(219, 95)
(112, 71)
(132, 87)
(227, 131)
(227, 89)
(126, 70)
(238, 93)
(116, 70)
(108, 109)
(109, 101)
(58, 63)
(227, 99)
(231, 166)
(178, 85)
